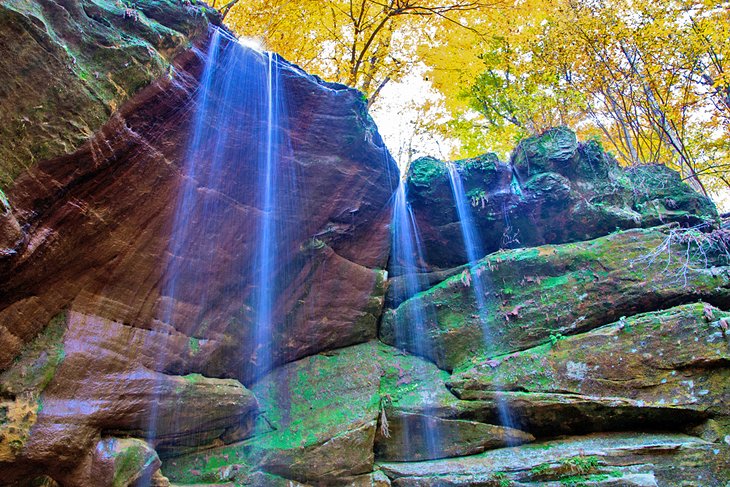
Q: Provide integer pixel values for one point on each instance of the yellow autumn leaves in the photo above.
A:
(648, 78)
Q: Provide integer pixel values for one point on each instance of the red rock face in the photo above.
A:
(96, 241)
(98, 222)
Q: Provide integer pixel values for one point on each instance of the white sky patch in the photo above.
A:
(722, 200)
(400, 116)
(252, 43)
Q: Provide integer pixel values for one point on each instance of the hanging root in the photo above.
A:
(384, 428)
(689, 249)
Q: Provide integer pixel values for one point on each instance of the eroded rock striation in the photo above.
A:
(557, 290)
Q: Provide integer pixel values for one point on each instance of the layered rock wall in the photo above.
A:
(553, 190)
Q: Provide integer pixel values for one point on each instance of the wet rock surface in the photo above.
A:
(317, 424)
(553, 190)
(120, 462)
(74, 385)
(675, 358)
(535, 293)
(425, 420)
(610, 459)
(117, 196)
(92, 56)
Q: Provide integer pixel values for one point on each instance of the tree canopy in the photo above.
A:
(649, 79)
(361, 43)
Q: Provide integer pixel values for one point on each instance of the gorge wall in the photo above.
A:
(608, 289)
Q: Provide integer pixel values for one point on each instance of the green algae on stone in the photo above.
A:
(484, 163)
(412, 384)
(424, 170)
(92, 56)
(317, 422)
(416, 403)
(319, 417)
(648, 458)
(556, 190)
(37, 363)
(22, 384)
(566, 289)
(660, 369)
(540, 153)
(322, 407)
(119, 462)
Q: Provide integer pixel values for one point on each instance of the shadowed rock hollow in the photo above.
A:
(606, 329)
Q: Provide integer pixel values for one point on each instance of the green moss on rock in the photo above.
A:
(541, 153)
(424, 170)
(671, 358)
(535, 293)
(555, 190)
(22, 384)
(92, 56)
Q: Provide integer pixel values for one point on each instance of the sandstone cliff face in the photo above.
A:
(605, 333)
(90, 237)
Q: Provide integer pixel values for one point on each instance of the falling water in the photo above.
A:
(406, 267)
(239, 188)
(515, 185)
(263, 303)
(479, 281)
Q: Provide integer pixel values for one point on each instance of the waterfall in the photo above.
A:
(264, 299)
(231, 232)
(406, 267)
(480, 282)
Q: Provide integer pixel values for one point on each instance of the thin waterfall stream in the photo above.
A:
(479, 281)
(263, 304)
(240, 90)
(407, 266)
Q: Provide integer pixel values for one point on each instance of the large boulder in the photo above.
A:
(69, 386)
(121, 462)
(327, 420)
(554, 190)
(317, 424)
(660, 369)
(617, 459)
(534, 294)
(424, 420)
(159, 341)
(323, 411)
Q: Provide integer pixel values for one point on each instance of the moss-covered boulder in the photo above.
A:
(420, 419)
(554, 190)
(122, 462)
(327, 419)
(22, 384)
(536, 295)
(317, 423)
(664, 369)
(617, 459)
(323, 412)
